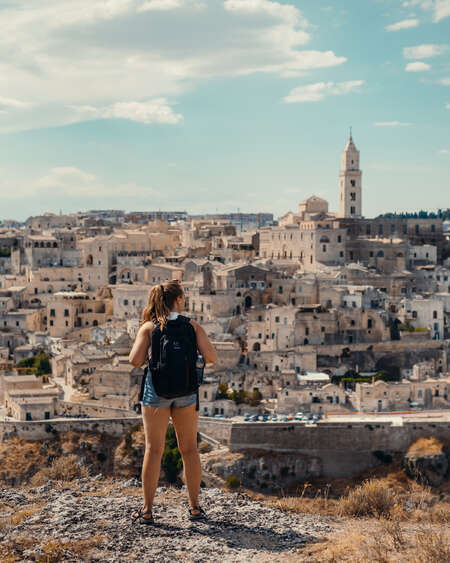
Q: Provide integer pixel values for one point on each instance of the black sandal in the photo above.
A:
(201, 513)
(142, 519)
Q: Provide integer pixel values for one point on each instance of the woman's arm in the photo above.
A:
(204, 345)
(139, 352)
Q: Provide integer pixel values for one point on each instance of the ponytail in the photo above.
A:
(160, 302)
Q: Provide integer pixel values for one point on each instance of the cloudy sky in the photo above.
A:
(205, 105)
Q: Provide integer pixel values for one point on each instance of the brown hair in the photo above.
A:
(160, 302)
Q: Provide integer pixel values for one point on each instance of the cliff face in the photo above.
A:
(90, 519)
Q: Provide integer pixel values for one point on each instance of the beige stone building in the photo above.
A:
(116, 384)
(72, 310)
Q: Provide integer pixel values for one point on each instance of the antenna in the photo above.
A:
(350, 130)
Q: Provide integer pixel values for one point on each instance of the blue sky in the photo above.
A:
(205, 105)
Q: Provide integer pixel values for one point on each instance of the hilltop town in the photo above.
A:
(314, 317)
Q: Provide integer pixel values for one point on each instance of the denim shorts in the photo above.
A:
(151, 399)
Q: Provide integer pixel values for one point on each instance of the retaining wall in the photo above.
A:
(343, 449)
(42, 429)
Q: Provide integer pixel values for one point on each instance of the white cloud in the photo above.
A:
(417, 66)
(404, 24)
(284, 12)
(152, 111)
(318, 91)
(65, 54)
(166, 5)
(424, 51)
(444, 152)
(445, 81)
(391, 124)
(72, 182)
(439, 8)
(65, 177)
(447, 106)
(159, 5)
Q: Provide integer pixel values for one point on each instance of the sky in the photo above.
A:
(217, 105)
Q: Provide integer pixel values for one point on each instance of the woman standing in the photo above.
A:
(165, 303)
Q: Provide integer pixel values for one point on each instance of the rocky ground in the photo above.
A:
(90, 519)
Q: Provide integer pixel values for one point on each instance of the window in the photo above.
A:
(307, 331)
(352, 182)
(433, 228)
(324, 247)
(435, 315)
(341, 253)
(125, 301)
(369, 323)
(277, 319)
(339, 239)
(352, 210)
(414, 314)
(52, 312)
(66, 312)
(352, 196)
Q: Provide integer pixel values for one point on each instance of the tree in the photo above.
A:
(254, 398)
(222, 391)
(171, 458)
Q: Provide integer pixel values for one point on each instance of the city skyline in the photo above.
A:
(211, 107)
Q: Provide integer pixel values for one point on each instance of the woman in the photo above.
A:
(166, 302)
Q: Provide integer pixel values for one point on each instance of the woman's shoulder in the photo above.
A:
(147, 327)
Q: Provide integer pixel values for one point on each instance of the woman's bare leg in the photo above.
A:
(185, 423)
(155, 428)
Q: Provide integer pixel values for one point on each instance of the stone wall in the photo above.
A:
(342, 449)
(91, 409)
(41, 429)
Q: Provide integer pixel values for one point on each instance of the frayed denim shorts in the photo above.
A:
(151, 399)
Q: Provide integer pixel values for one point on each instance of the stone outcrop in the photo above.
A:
(263, 470)
(91, 519)
(427, 460)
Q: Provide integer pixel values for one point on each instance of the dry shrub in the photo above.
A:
(62, 469)
(57, 550)
(19, 516)
(426, 446)
(372, 498)
(433, 546)
(204, 447)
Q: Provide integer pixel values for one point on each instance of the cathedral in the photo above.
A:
(315, 237)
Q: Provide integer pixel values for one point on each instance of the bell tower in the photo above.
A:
(350, 182)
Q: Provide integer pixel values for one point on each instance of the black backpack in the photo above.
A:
(173, 359)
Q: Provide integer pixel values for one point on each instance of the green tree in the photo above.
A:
(222, 391)
(171, 458)
(254, 398)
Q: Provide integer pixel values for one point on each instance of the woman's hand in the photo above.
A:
(139, 352)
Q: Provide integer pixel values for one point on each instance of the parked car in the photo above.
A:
(254, 418)
(219, 416)
(283, 418)
(246, 417)
(265, 417)
(274, 418)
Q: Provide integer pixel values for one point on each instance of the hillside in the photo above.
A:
(71, 499)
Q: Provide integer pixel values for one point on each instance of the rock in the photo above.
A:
(238, 528)
(430, 469)
(427, 461)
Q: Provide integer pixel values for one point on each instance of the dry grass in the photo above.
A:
(372, 498)
(426, 446)
(204, 447)
(54, 550)
(19, 516)
(62, 469)
(382, 541)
